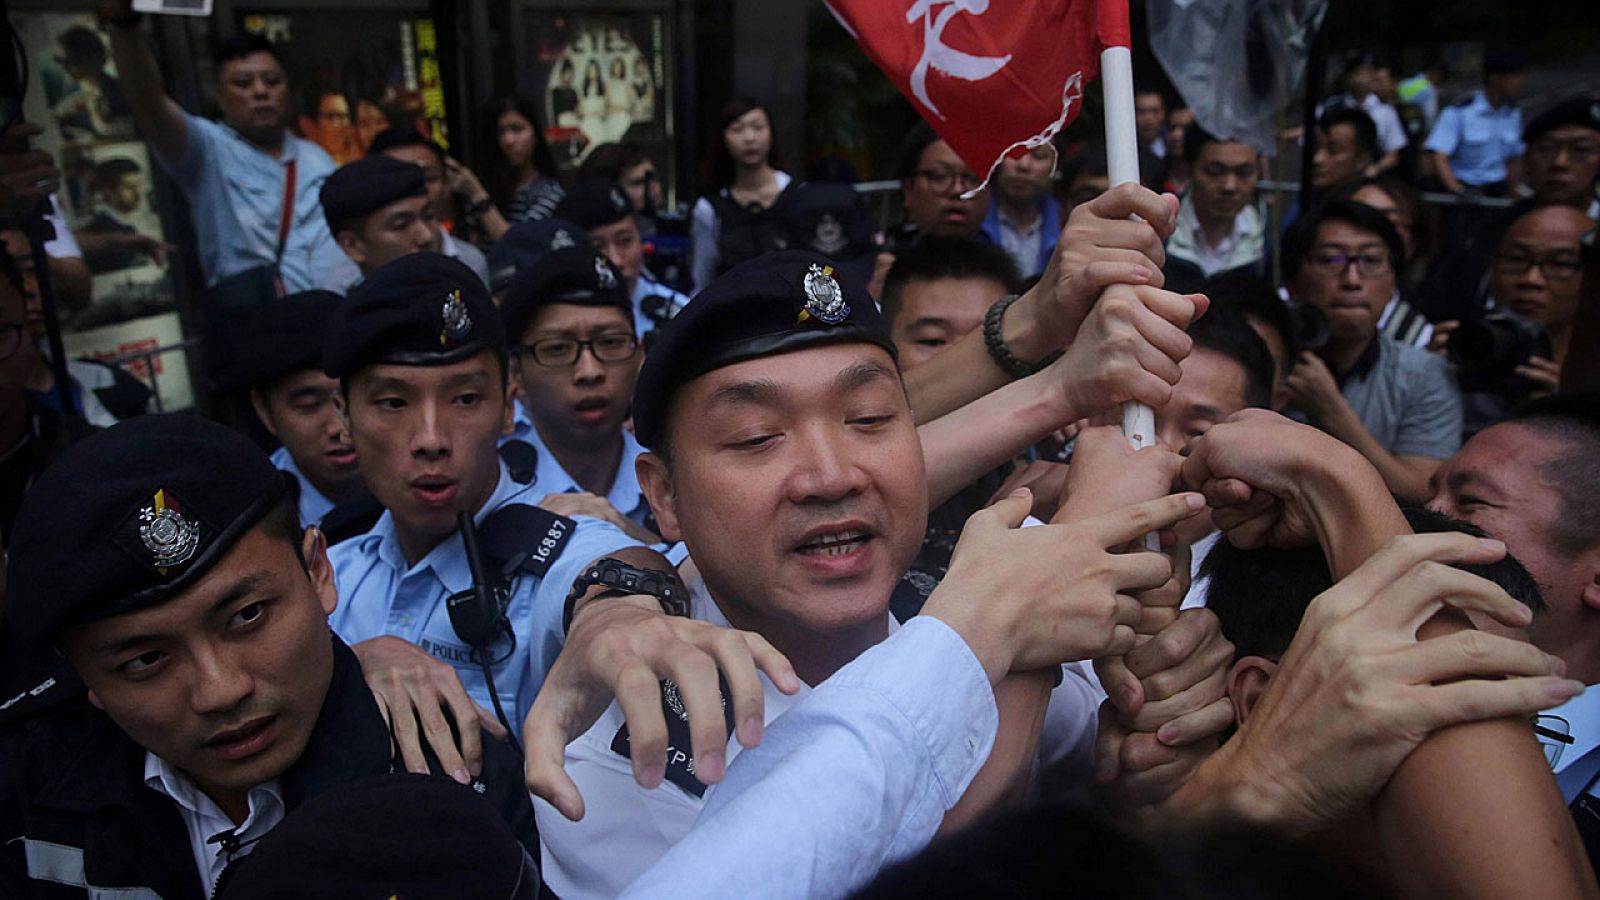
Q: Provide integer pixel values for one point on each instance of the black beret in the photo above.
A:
(286, 335)
(781, 302)
(416, 837)
(525, 242)
(1584, 111)
(391, 138)
(594, 202)
(363, 187)
(1504, 61)
(576, 275)
(831, 218)
(129, 518)
(423, 309)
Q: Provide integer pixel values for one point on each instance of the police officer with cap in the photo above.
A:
(576, 357)
(1563, 155)
(600, 206)
(419, 350)
(164, 559)
(298, 403)
(378, 210)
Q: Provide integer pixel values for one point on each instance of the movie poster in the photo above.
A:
(108, 199)
(356, 73)
(601, 78)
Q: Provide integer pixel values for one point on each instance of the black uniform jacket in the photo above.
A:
(76, 818)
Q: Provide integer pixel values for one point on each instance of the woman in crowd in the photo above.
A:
(521, 170)
(743, 182)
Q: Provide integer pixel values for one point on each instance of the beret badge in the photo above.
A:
(457, 323)
(170, 537)
(602, 273)
(824, 298)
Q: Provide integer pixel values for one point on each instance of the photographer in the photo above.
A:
(1390, 401)
(1516, 350)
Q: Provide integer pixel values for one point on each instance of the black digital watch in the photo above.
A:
(621, 579)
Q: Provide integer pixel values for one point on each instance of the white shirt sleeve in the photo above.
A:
(855, 776)
(704, 244)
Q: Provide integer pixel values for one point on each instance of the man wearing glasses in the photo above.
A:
(576, 357)
(1536, 274)
(1396, 404)
(932, 180)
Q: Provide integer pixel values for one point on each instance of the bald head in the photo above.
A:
(1546, 292)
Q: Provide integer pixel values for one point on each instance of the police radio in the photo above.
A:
(478, 615)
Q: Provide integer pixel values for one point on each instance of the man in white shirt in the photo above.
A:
(1219, 227)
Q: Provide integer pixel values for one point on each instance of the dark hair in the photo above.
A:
(246, 44)
(1143, 88)
(502, 179)
(718, 166)
(912, 145)
(12, 274)
(1365, 129)
(82, 47)
(1226, 331)
(107, 174)
(404, 136)
(1196, 138)
(1575, 420)
(1253, 298)
(937, 258)
(611, 160)
(1507, 572)
(1302, 235)
(1424, 217)
(1091, 161)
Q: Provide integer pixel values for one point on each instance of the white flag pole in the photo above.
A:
(1122, 167)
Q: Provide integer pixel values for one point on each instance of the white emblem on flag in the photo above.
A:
(943, 58)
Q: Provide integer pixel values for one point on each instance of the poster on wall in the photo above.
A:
(600, 78)
(356, 73)
(107, 194)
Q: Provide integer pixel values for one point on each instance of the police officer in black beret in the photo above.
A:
(576, 357)
(1563, 154)
(600, 206)
(524, 244)
(378, 211)
(298, 403)
(420, 353)
(164, 559)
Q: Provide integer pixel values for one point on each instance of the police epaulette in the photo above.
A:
(535, 535)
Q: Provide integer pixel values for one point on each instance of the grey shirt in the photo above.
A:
(1408, 400)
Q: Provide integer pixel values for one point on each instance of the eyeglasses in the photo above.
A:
(1579, 151)
(558, 353)
(941, 180)
(1554, 734)
(1371, 263)
(10, 340)
(1555, 268)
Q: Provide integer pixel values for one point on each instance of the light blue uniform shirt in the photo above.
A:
(856, 775)
(1578, 765)
(1478, 139)
(626, 496)
(235, 194)
(313, 505)
(379, 594)
(647, 286)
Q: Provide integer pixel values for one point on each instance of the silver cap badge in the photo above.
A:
(456, 320)
(170, 538)
(602, 273)
(824, 299)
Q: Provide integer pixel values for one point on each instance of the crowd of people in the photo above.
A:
(521, 560)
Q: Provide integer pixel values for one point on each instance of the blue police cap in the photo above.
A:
(1580, 111)
(526, 242)
(575, 275)
(423, 309)
(286, 336)
(594, 202)
(360, 188)
(129, 518)
(778, 303)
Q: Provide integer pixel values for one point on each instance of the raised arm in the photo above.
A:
(1099, 246)
(160, 120)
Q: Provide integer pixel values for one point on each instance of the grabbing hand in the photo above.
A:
(1128, 348)
(1312, 386)
(1544, 373)
(411, 687)
(623, 647)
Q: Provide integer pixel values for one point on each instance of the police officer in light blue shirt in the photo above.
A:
(420, 353)
(298, 403)
(235, 173)
(1473, 141)
(602, 208)
(576, 358)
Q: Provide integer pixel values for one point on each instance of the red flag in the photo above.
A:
(995, 78)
